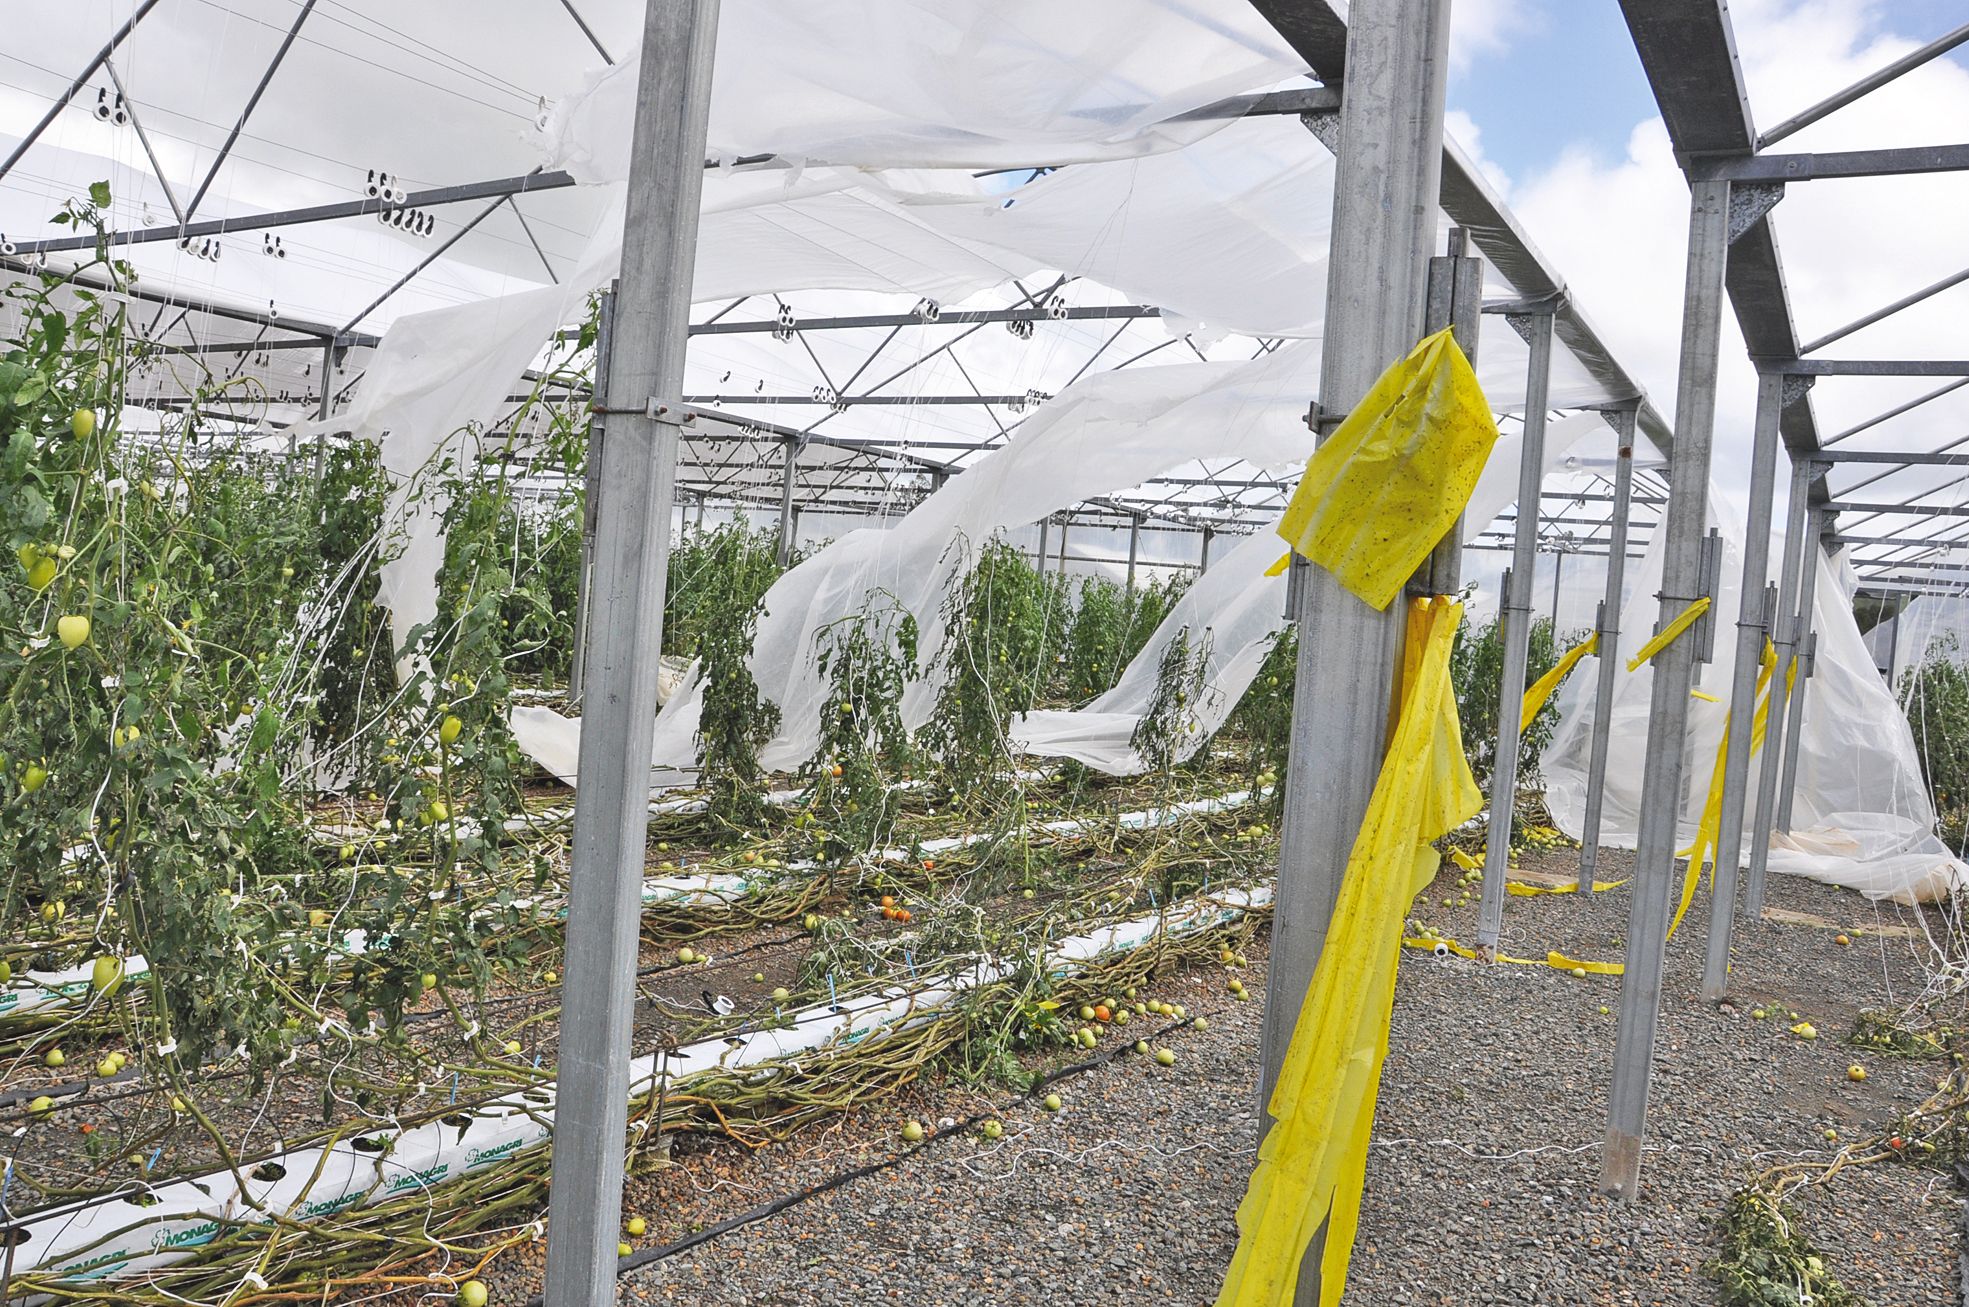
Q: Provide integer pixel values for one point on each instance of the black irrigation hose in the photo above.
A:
(777, 1205)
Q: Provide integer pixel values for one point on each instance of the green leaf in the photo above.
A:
(99, 194)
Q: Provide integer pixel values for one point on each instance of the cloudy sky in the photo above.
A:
(1553, 95)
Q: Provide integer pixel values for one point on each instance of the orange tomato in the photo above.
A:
(1101, 1012)
(888, 900)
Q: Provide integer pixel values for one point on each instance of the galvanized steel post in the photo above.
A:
(1608, 630)
(1776, 725)
(1514, 612)
(1387, 182)
(1674, 674)
(611, 813)
(1805, 655)
(786, 502)
(591, 498)
(1753, 624)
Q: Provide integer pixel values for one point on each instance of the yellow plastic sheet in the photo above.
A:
(1666, 636)
(1393, 478)
(1311, 1165)
(1541, 689)
(1711, 823)
(1556, 960)
(1524, 891)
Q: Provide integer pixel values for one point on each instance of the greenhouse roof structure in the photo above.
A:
(253, 218)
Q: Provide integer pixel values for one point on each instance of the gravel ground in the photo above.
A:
(1481, 1184)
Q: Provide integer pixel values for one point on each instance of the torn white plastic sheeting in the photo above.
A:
(1863, 817)
(943, 83)
(1235, 607)
(1243, 609)
(151, 1226)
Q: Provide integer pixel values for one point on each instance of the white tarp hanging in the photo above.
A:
(1863, 818)
(1243, 609)
(1235, 606)
(944, 83)
(1105, 433)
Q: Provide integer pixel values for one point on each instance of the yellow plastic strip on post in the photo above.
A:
(1278, 568)
(1524, 891)
(1668, 633)
(1556, 960)
(1313, 1162)
(1560, 962)
(1707, 829)
(1393, 478)
(1541, 689)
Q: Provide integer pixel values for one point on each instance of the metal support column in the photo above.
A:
(1065, 523)
(1806, 655)
(1753, 624)
(1674, 674)
(1776, 726)
(1388, 177)
(1203, 558)
(326, 402)
(1607, 626)
(1456, 301)
(606, 853)
(1134, 546)
(591, 498)
(1515, 613)
(1558, 572)
(1045, 534)
(786, 505)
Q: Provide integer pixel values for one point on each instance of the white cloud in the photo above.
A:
(1485, 27)
(1618, 229)
(1463, 129)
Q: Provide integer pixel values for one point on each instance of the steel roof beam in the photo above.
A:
(1906, 301)
(588, 32)
(81, 80)
(252, 103)
(1688, 52)
(1905, 510)
(321, 330)
(426, 199)
(1866, 367)
(1897, 411)
(1866, 85)
(1901, 458)
(1318, 33)
(948, 317)
(1889, 162)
